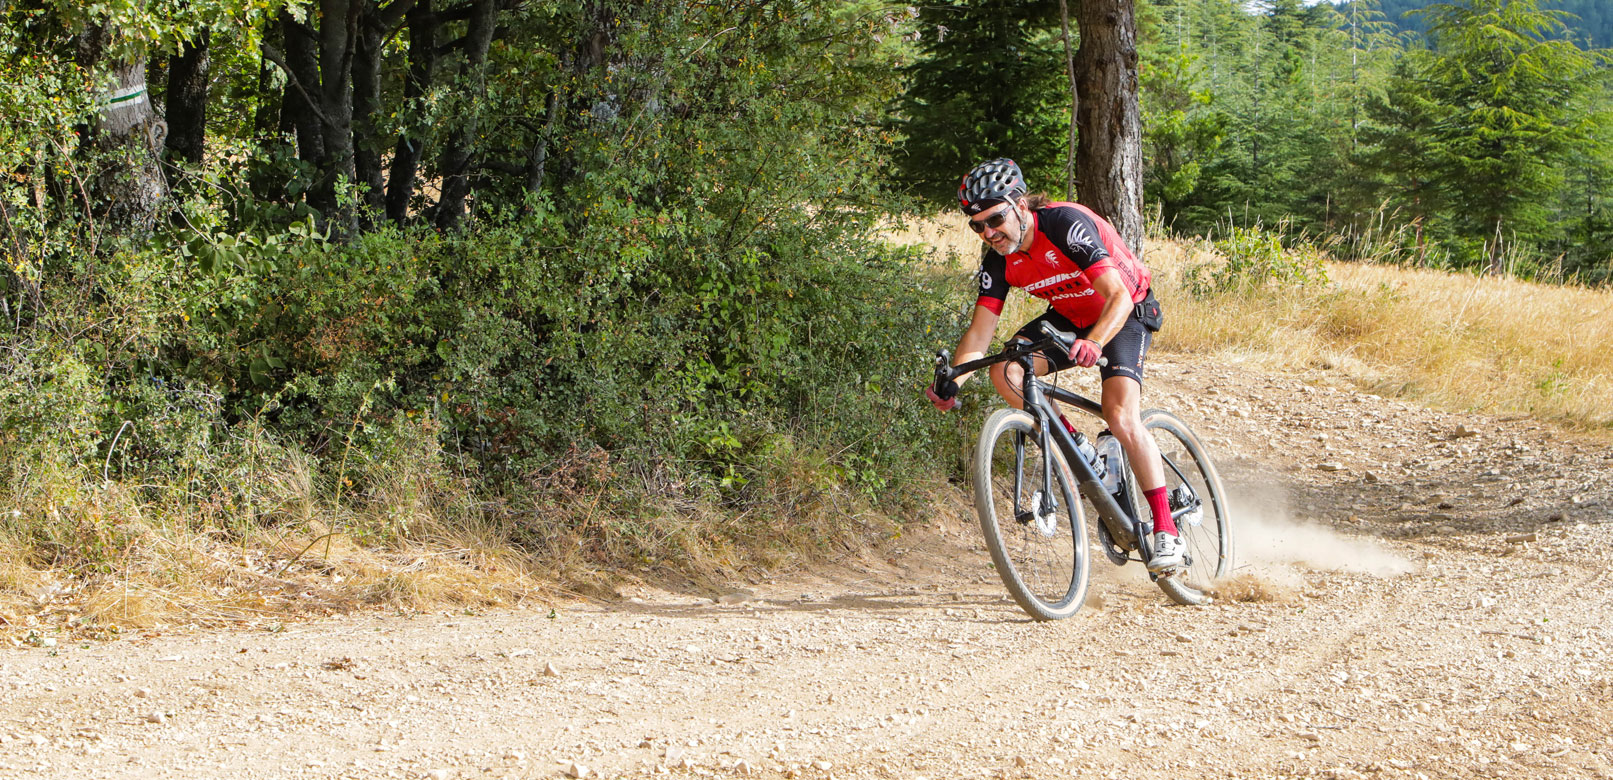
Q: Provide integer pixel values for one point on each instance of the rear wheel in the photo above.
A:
(1199, 504)
(1034, 528)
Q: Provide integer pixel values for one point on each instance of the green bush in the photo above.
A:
(697, 297)
(1255, 259)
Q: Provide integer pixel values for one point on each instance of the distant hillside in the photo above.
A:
(1593, 27)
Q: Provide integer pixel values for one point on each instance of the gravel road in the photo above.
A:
(1421, 595)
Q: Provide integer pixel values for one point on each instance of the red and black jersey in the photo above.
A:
(1070, 246)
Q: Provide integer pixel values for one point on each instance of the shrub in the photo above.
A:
(1255, 259)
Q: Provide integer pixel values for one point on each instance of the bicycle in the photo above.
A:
(1037, 535)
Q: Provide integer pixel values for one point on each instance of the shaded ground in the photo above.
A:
(1392, 631)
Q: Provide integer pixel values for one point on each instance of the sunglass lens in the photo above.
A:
(994, 221)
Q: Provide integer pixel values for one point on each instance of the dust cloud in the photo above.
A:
(1270, 539)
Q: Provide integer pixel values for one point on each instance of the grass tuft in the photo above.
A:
(1466, 343)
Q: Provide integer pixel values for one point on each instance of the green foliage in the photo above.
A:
(1182, 127)
(1476, 135)
(990, 82)
(1254, 114)
(1255, 260)
(1589, 22)
(1490, 149)
(697, 279)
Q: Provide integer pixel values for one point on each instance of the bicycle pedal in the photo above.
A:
(1024, 518)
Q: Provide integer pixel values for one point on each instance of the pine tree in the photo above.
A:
(1515, 104)
(990, 82)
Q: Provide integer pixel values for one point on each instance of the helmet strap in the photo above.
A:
(1024, 225)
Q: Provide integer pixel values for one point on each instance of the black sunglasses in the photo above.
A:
(994, 221)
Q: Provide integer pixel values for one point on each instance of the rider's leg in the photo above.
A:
(1122, 402)
(1007, 378)
(1122, 410)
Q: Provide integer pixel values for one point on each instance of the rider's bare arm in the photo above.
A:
(972, 345)
(1117, 306)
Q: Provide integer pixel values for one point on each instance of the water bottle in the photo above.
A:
(1091, 454)
(1113, 459)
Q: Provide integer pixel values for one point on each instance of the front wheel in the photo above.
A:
(1199, 504)
(1034, 526)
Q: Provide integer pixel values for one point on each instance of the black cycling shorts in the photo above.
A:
(1125, 351)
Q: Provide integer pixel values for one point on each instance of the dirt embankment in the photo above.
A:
(1422, 595)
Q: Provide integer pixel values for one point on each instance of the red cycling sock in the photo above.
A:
(1159, 501)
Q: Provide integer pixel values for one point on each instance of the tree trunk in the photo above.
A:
(1109, 152)
(456, 156)
(366, 102)
(270, 124)
(1497, 262)
(422, 65)
(129, 187)
(374, 26)
(302, 89)
(589, 64)
(187, 101)
(1075, 101)
(538, 157)
(338, 35)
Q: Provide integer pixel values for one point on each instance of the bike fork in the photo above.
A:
(1041, 502)
(1020, 515)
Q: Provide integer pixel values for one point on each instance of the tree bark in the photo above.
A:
(456, 156)
(1075, 100)
(270, 124)
(1109, 152)
(422, 25)
(538, 157)
(129, 187)
(376, 24)
(302, 89)
(187, 100)
(338, 34)
(366, 102)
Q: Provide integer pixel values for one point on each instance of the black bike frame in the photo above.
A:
(1122, 525)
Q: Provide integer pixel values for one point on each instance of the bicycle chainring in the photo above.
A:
(1116, 555)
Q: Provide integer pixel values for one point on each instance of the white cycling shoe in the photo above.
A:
(1169, 553)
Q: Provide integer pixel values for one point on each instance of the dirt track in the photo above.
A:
(1388, 629)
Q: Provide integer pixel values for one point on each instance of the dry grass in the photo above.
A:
(1460, 342)
(165, 573)
(96, 560)
(94, 563)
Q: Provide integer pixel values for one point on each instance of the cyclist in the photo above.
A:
(1069, 256)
